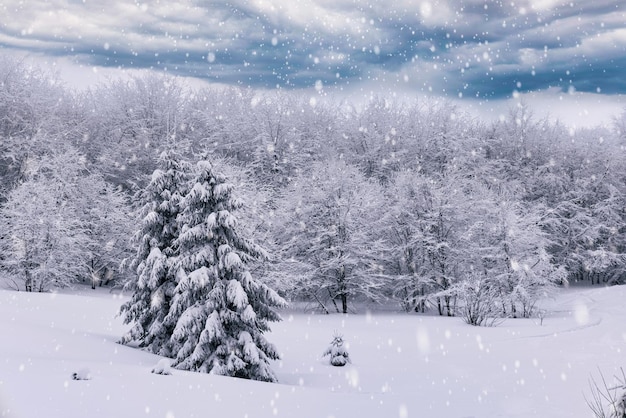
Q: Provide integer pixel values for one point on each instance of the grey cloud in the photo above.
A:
(450, 46)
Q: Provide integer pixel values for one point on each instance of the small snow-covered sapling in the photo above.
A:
(337, 351)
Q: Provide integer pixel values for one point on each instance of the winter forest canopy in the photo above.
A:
(417, 205)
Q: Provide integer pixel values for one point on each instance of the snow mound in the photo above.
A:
(163, 367)
(82, 374)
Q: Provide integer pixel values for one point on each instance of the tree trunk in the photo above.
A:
(421, 304)
(28, 283)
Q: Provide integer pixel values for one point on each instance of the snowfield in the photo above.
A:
(403, 365)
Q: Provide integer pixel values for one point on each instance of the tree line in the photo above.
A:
(416, 204)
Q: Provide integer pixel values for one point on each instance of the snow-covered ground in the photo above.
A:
(402, 365)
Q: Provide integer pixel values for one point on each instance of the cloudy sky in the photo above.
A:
(565, 56)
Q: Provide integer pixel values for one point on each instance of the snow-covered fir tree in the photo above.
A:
(156, 278)
(337, 351)
(221, 311)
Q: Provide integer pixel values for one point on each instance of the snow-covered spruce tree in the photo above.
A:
(337, 351)
(156, 279)
(221, 311)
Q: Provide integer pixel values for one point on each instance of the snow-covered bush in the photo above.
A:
(478, 302)
(337, 351)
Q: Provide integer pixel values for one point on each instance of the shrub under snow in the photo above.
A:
(337, 352)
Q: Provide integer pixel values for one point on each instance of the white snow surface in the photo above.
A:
(403, 365)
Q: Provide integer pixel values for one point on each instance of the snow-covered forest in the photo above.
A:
(416, 205)
(215, 208)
